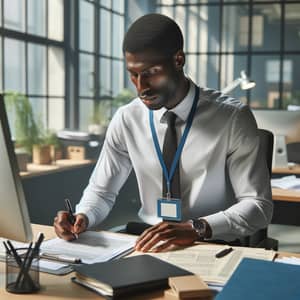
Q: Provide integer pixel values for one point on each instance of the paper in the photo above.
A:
(51, 265)
(201, 260)
(15, 244)
(289, 260)
(92, 246)
(288, 182)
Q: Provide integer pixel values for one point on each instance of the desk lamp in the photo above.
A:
(242, 81)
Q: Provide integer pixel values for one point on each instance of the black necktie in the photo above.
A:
(169, 150)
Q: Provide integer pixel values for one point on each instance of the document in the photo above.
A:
(15, 244)
(201, 260)
(289, 260)
(91, 246)
(287, 182)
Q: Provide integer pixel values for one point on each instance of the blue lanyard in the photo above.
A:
(169, 175)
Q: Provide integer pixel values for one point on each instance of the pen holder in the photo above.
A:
(22, 271)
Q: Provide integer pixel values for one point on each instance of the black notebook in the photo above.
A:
(127, 275)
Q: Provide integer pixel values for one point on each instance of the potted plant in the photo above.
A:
(56, 152)
(26, 131)
(101, 116)
(41, 153)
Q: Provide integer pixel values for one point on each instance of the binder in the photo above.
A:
(127, 275)
(262, 280)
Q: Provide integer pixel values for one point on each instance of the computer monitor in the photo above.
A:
(14, 217)
(285, 126)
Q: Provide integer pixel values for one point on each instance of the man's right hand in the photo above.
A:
(65, 230)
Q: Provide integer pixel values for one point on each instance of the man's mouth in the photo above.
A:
(149, 99)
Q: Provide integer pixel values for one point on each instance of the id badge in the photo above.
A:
(169, 209)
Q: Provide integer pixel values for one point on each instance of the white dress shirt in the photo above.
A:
(223, 177)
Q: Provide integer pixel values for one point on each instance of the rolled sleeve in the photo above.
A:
(111, 171)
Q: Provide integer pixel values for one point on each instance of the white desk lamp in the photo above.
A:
(242, 81)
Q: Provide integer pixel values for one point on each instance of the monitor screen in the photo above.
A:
(280, 122)
(14, 217)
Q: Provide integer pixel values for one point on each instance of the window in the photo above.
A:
(101, 66)
(260, 37)
(37, 36)
(32, 56)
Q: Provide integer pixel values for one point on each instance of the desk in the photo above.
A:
(60, 287)
(286, 202)
(285, 195)
(295, 170)
(59, 166)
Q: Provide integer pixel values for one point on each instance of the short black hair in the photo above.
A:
(154, 32)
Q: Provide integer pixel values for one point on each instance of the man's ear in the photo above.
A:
(179, 60)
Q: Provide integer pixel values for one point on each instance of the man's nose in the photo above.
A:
(142, 83)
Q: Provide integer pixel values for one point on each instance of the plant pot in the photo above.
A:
(55, 153)
(41, 155)
(23, 160)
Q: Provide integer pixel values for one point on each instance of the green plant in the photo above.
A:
(101, 112)
(104, 108)
(27, 130)
(50, 138)
(124, 97)
(293, 99)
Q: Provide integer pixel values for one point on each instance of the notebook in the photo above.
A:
(262, 280)
(127, 275)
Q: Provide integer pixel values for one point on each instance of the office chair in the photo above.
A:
(260, 238)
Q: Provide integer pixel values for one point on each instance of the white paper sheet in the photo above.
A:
(91, 247)
(287, 182)
(201, 260)
(289, 260)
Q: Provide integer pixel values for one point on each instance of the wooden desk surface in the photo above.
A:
(58, 166)
(60, 287)
(289, 170)
(285, 195)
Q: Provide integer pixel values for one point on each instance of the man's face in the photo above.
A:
(155, 78)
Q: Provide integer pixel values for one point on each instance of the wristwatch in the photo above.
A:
(201, 227)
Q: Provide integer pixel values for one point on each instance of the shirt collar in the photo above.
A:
(183, 108)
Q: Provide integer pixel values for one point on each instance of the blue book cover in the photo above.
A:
(262, 280)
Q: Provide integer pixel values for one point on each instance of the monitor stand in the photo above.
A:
(279, 152)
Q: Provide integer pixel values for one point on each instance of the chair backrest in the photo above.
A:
(260, 238)
(266, 146)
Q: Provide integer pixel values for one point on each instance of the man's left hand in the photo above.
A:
(166, 234)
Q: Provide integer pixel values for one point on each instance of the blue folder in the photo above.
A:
(262, 280)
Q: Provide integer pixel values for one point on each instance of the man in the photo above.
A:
(220, 180)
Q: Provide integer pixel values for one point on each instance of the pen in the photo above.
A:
(71, 216)
(6, 248)
(30, 256)
(61, 258)
(223, 252)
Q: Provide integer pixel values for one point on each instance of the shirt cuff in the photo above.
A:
(218, 223)
(89, 215)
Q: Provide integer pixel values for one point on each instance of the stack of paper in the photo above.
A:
(91, 246)
(201, 260)
(288, 182)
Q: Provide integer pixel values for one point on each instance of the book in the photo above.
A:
(262, 280)
(127, 275)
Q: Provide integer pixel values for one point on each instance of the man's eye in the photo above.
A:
(154, 71)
